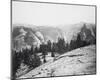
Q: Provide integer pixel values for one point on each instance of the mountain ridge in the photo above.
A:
(36, 35)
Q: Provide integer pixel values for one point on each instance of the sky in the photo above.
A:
(51, 14)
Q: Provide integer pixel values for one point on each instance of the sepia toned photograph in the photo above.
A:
(52, 40)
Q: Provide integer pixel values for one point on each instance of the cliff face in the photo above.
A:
(25, 36)
(87, 31)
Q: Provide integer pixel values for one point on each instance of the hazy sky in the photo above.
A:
(51, 14)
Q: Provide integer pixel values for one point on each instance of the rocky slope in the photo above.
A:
(77, 62)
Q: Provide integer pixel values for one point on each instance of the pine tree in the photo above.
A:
(78, 41)
(49, 46)
(43, 49)
(52, 54)
(61, 45)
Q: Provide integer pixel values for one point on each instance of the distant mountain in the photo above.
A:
(24, 36)
(50, 33)
(87, 31)
(27, 35)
